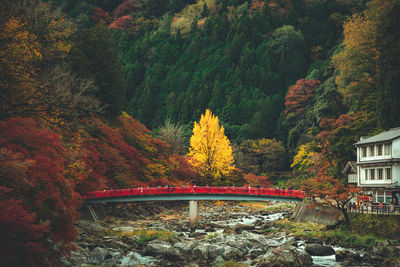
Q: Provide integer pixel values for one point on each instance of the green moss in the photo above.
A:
(342, 235)
(212, 236)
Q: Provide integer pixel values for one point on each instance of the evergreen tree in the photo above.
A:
(94, 55)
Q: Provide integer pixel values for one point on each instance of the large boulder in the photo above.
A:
(319, 250)
(316, 213)
(283, 256)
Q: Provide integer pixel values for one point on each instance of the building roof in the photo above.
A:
(382, 137)
(350, 166)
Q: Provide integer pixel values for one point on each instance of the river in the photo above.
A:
(231, 231)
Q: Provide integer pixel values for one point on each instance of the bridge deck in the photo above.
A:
(195, 193)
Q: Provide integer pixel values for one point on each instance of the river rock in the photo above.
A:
(255, 252)
(157, 248)
(391, 263)
(201, 251)
(232, 253)
(283, 256)
(134, 259)
(240, 227)
(123, 229)
(291, 241)
(215, 250)
(97, 255)
(228, 230)
(305, 258)
(182, 250)
(238, 242)
(89, 227)
(385, 249)
(112, 258)
(347, 255)
(319, 250)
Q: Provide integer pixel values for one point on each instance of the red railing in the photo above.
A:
(197, 190)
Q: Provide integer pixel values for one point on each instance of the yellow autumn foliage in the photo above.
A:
(210, 150)
(357, 61)
(304, 159)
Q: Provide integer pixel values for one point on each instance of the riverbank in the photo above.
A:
(228, 233)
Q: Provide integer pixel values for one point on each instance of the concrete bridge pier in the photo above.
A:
(193, 212)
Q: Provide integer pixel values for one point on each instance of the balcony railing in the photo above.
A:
(352, 178)
(375, 209)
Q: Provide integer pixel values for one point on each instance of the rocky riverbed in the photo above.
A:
(158, 234)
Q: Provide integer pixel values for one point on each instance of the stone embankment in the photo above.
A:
(225, 233)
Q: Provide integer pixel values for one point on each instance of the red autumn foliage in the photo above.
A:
(111, 161)
(124, 9)
(121, 23)
(325, 186)
(298, 95)
(254, 180)
(20, 232)
(331, 191)
(101, 15)
(32, 165)
(126, 155)
(160, 182)
(181, 169)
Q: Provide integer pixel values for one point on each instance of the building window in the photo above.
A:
(372, 151)
(366, 174)
(380, 174)
(388, 149)
(364, 151)
(372, 174)
(388, 174)
(379, 150)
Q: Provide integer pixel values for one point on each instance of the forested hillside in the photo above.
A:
(237, 58)
(294, 83)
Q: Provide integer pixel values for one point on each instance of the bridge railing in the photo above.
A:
(197, 190)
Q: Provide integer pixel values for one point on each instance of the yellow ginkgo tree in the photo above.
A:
(210, 150)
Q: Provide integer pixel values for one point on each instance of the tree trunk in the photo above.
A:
(346, 216)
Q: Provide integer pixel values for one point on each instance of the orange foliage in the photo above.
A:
(121, 23)
(257, 5)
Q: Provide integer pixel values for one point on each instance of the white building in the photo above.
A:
(351, 171)
(378, 165)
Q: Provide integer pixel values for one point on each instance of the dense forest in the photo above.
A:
(104, 94)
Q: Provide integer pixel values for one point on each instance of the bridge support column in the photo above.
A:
(193, 214)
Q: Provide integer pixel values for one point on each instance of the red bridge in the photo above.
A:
(195, 193)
